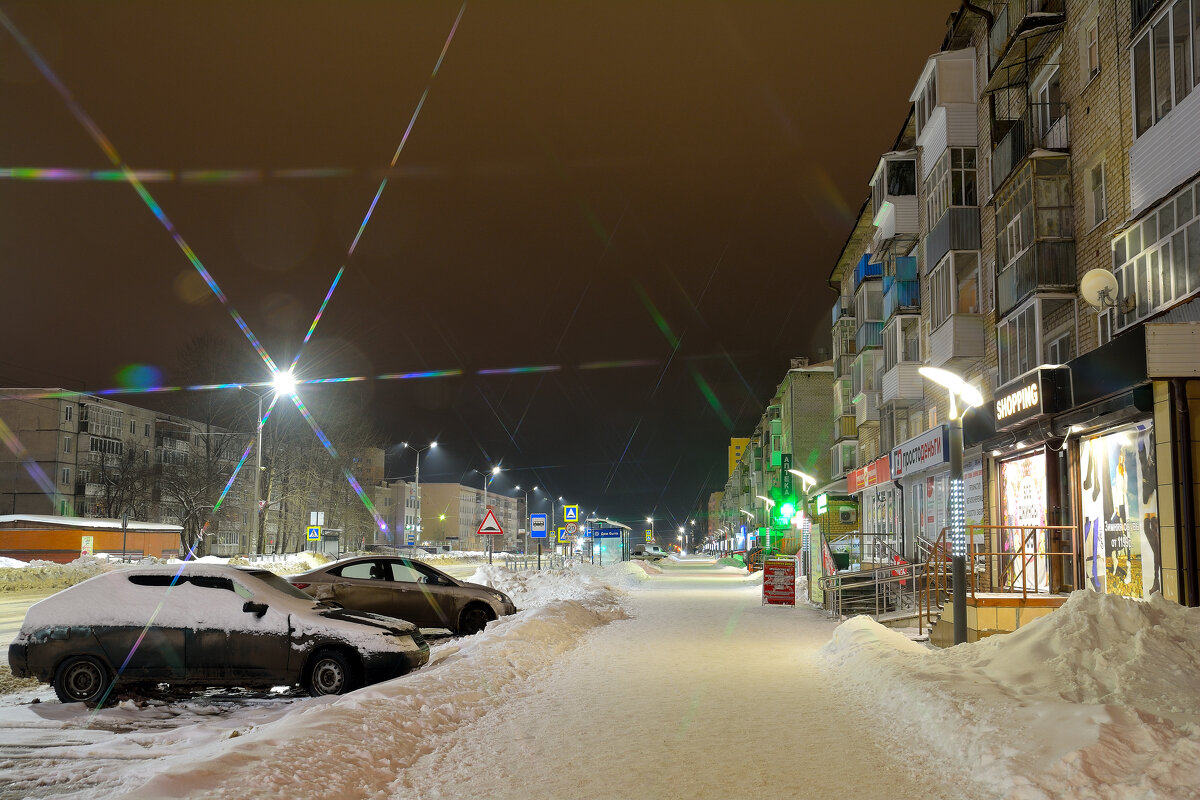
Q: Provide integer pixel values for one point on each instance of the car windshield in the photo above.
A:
(279, 584)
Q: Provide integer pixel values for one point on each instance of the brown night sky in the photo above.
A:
(577, 171)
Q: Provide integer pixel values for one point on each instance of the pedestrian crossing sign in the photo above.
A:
(314, 533)
(563, 536)
(570, 513)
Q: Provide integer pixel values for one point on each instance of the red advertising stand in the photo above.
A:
(779, 582)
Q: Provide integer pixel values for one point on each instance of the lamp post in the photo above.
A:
(487, 478)
(957, 387)
(417, 487)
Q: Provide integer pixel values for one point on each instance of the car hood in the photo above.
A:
(389, 624)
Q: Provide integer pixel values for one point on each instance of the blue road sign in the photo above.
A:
(537, 526)
(606, 533)
(314, 533)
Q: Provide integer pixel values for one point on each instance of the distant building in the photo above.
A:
(452, 514)
(737, 448)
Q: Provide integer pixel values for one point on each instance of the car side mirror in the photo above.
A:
(258, 609)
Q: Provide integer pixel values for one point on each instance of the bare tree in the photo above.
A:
(119, 483)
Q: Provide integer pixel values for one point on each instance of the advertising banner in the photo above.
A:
(779, 582)
(1023, 504)
(930, 449)
(1118, 486)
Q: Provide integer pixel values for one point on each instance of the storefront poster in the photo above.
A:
(973, 490)
(779, 581)
(1023, 505)
(1118, 487)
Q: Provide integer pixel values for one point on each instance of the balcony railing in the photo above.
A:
(845, 427)
(842, 365)
(900, 295)
(1011, 17)
(1042, 266)
(843, 309)
(869, 334)
(958, 229)
(865, 268)
(1140, 10)
(1043, 125)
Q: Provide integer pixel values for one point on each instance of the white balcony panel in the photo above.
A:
(866, 409)
(1166, 155)
(957, 341)
(932, 140)
(902, 385)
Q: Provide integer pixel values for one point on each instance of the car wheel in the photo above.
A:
(473, 620)
(330, 673)
(81, 679)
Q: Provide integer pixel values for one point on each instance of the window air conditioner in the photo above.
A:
(847, 514)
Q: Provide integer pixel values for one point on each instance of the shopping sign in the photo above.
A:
(537, 526)
(563, 536)
(489, 526)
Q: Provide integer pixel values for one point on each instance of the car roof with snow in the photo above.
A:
(114, 598)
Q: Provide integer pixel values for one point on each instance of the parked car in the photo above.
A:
(408, 589)
(205, 625)
(650, 552)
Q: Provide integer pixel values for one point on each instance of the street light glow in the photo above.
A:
(495, 470)
(285, 382)
(955, 383)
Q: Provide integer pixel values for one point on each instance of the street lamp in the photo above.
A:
(488, 477)
(417, 486)
(283, 383)
(957, 387)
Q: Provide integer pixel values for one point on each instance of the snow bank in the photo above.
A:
(1097, 700)
(49, 574)
(12, 563)
(582, 582)
(363, 739)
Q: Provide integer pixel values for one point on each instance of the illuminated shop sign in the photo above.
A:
(877, 471)
(1045, 390)
(930, 449)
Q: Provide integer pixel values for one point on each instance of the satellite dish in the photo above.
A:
(1099, 288)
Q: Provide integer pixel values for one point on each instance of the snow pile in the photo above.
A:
(730, 561)
(12, 563)
(581, 582)
(49, 574)
(1097, 700)
(364, 739)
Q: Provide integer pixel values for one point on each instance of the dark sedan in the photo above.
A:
(408, 589)
(205, 625)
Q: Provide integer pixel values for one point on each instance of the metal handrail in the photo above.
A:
(998, 571)
(897, 575)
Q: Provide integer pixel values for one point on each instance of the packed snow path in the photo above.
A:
(702, 692)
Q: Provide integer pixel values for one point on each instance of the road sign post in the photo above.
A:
(537, 530)
(489, 527)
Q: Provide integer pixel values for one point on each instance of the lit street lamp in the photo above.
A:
(282, 383)
(957, 387)
(417, 487)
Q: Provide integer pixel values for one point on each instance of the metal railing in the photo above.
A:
(1014, 560)
(529, 561)
(1042, 265)
(878, 590)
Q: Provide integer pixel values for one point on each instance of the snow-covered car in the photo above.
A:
(205, 625)
(408, 589)
(649, 552)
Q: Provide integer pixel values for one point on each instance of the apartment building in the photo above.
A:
(452, 514)
(1035, 229)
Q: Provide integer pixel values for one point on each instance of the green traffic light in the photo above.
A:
(787, 511)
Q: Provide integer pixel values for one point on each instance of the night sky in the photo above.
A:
(663, 185)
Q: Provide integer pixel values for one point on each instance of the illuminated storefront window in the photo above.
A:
(1023, 515)
(1118, 480)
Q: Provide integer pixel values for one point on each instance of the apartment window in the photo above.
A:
(1021, 345)
(1165, 61)
(1097, 204)
(1091, 49)
(133, 427)
(1016, 340)
(954, 286)
(66, 444)
(1060, 349)
(1048, 91)
(147, 430)
(66, 476)
(1157, 261)
(67, 413)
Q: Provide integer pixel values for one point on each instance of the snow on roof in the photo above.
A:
(7, 520)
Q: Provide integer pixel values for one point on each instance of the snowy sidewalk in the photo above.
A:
(701, 693)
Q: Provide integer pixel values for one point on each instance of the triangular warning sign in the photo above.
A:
(489, 526)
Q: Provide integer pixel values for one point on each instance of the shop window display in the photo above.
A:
(1023, 512)
(1120, 511)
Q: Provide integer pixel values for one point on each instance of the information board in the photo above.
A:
(779, 582)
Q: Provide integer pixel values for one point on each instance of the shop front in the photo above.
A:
(1076, 465)
(880, 526)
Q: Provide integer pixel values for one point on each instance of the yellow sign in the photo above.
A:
(570, 513)
(314, 533)
(649, 536)
(563, 536)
